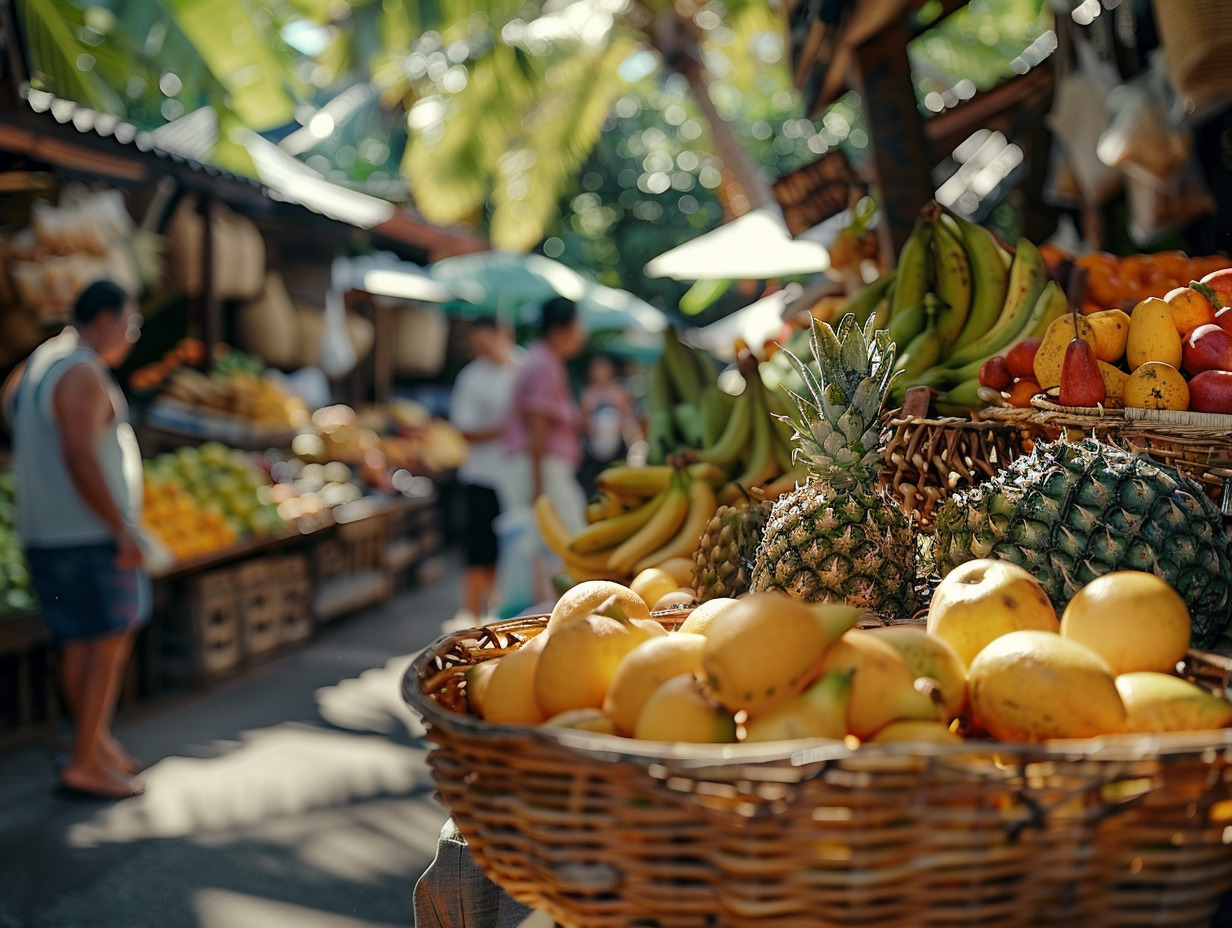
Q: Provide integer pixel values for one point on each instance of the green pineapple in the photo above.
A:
(839, 536)
(1069, 513)
(728, 545)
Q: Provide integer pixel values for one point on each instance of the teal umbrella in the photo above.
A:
(513, 286)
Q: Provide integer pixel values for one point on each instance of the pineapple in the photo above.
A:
(1069, 513)
(725, 552)
(839, 536)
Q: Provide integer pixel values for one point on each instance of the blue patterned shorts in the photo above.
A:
(83, 595)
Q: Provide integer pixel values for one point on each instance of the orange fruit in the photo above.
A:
(1190, 309)
(1020, 393)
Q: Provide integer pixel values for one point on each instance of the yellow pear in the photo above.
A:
(1110, 330)
(1132, 619)
(819, 712)
(983, 599)
(509, 696)
(883, 687)
(1050, 356)
(768, 647)
(1031, 686)
(582, 654)
(582, 720)
(477, 684)
(681, 568)
(1115, 380)
(1161, 702)
(644, 669)
(652, 584)
(678, 710)
(915, 730)
(585, 597)
(1152, 335)
(700, 618)
(932, 657)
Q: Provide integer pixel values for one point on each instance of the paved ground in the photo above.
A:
(295, 794)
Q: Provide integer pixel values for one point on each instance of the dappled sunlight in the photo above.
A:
(372, 701)
(383, 839)
(273, 772)
(220, 908)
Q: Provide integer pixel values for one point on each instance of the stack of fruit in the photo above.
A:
(305, 489)
(15, 592)
(957, 297)
(202, 499)
(1114, 282)
(232, 396)
(1170, 353)
(992, 661)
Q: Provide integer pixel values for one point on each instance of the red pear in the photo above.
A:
(1082, 384)
(1208, 348)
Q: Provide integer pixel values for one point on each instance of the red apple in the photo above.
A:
(1211, 391)
(1208, 348)
(1021, 358)
(1221, 282)
(1223, 318)
(995, 373)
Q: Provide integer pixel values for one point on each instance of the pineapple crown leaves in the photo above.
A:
(837, 425)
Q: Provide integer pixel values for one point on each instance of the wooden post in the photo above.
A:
(211, 323)
(902, 159)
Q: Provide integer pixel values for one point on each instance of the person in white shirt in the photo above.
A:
(479, 408)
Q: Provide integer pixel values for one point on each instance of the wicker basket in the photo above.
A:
(928, 459)
(601, 831)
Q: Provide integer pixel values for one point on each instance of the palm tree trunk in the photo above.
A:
(675, 38)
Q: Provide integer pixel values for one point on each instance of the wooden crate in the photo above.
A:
(213, 645)
(274, 594)
(349, 568)
(294, 598)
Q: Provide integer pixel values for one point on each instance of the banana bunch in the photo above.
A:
(957, 297)
(642, 517)
(684, 402)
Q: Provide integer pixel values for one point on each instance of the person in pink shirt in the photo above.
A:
(543, 435)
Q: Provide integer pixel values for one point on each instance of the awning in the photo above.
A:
(754, 246)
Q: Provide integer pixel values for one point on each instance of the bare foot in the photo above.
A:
(115, 754)
(101, 783)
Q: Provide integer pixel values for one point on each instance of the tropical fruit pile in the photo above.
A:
(1115, 282)
(234, 392)
(15, 592)
(1173, 353)
(957, 296)
(992, 661)
(202, 499)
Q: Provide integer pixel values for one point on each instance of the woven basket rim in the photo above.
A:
(683, 758)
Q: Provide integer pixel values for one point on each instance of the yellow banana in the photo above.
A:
(704, 470)
(1052, 305)
(1028, 275)
(701, 507)
(645, 482)
(666, 521)
(760, 464)
(556, 536)
(911, 282)
(607, 534)
(989, 281)
(785, 482)
(952, 282)
(603, 506)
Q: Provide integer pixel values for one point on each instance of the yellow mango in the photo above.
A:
(1152, 335)
(1050, 356)
(1155, 385)
(1111, 333)
(1114, 385)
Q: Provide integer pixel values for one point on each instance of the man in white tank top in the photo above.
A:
(77, 475)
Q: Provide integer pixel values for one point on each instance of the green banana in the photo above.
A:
(952, 276)
(865, 302)
(1028, 275)
(681, 367)
(1052, 305)
(658, 387)
(914, 263)
(881, 314)
(688, 421)
(660, 435)
(920, 354)
(965, 394)
(989, 281)
(908, 324)
(706, 372)
(735, 437)
(716, 406)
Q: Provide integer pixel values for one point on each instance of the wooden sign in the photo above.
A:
(817, 191)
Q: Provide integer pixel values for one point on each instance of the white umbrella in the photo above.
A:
(385, 275)
(755, 246)
(754, 324)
